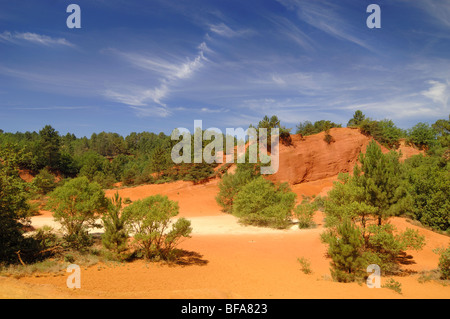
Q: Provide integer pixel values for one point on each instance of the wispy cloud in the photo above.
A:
(438, 92)
(168, 70)
(225, 31)
(290, 30)
(40, 39)
(149, 101)
(324, 16)
(438, 10)
(138, 96)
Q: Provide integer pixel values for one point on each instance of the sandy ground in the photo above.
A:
(228, 260)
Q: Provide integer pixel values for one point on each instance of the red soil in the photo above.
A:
(310, 158)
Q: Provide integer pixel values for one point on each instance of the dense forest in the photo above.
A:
(105, 158)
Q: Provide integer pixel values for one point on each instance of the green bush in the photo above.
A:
(76, 205)
(428, 183)
(261, 203)
(345, 247)
(307, 128)
(154, 232)
(44, 182)
(385, 246)
(384, 131)
(328, 138)
(305, 214)
(444, 264)
(199, 172)
(48, 242)
(231, 184)
(422, 135)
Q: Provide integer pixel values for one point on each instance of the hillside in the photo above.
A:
(310, 158)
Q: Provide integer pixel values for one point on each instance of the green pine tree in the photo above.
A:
(115, 224)
(345, 247)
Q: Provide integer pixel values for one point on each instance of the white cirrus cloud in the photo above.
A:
(40, 39)
(225, 31)
(323, 15)
(149, 101)
(438, 92)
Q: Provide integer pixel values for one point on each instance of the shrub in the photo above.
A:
(306, 265)
(394, 285)
(105, 181)
(150, 219)
(129, 176)
(261, 203)
(444, 264)
(76, 206)
(44, 182)
(319, 201)
(231, 184)
(328, 138)
(386, 246)
(307, 128)
(428, 183)
(199, 172)
(48, 242)
(422, 135)
(384, 131)
(305, 214)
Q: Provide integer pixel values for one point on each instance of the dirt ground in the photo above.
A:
(226, 260)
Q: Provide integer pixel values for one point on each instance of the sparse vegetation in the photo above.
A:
(328, 138)
(393, 285)
(305, 264)
(307, 128)
(305, 214)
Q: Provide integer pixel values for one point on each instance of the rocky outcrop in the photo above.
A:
(311, 158)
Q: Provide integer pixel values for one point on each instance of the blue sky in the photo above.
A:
(156, 65)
